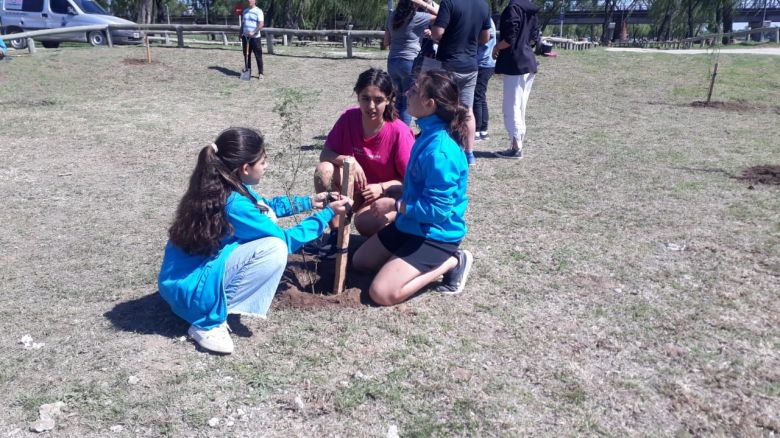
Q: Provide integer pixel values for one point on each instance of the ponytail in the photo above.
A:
(458, 128)
(200, 221)
(403, 14)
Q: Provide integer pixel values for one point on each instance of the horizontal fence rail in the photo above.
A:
(709, 39)
(347, 35)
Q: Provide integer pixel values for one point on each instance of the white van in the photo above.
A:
(27, 15)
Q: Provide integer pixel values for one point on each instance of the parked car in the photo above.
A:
(27, 15)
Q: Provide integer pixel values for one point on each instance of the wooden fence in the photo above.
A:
(348, 36)
(701, 41)
(569, 44)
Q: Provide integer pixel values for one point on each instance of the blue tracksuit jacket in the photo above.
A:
(435, 185)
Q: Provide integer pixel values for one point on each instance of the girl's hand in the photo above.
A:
(343, 205)
(319, 200)
(372, 192)
(360, 177)
(495, 53)
(427, 33)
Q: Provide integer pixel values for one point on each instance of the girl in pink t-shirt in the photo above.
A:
(380, 142)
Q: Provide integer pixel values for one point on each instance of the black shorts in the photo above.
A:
(423, 254)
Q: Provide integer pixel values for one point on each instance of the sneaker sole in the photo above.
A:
(464, 279)
(215, 350)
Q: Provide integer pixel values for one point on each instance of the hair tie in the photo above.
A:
(214, 146)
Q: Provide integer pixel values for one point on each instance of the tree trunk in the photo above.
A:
(728, 20)
(609, 8)
(690, 19)
(666, 24)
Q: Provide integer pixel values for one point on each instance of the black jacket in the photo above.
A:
(519, 26)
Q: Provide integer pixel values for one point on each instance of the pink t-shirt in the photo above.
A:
(383, 157)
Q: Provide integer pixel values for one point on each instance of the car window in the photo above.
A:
(32, 5)
(13, 5)
(90, 7)
(59, 6)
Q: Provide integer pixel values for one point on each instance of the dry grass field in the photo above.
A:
(625, 282)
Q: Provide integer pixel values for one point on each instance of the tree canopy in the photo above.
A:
(670, 18)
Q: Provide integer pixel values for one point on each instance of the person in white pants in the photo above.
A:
(517, 88)
(515, 59)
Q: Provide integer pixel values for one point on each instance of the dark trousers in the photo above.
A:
(481, 115)
(254, 47)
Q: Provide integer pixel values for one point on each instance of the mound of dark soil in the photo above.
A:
(307, 283)
(764, 174)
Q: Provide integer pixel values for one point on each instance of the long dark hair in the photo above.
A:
(439, 86)
(200, 220)
(403, 13)
(380, 79)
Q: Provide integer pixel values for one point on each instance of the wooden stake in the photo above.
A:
(712, 82)
(148, 52)
(347, 189)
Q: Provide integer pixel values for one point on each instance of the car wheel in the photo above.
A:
(96, 38)
(19, 43)
(50, 44)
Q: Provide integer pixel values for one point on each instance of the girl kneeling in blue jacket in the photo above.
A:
(423, 242)
(225, 253)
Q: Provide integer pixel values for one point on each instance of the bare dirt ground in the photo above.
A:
(625, 282)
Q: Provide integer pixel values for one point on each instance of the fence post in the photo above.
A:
(777, 36)
(108, 37)
(224, 39)
(30, 46)
(180, 37)
(269, 41)
(349, 41)
(284, 39)
(167, 37)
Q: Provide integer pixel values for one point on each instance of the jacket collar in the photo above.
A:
(431, 123)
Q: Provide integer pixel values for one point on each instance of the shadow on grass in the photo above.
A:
(147, 315)
(484, 154)
(225, 71)
(152, 315)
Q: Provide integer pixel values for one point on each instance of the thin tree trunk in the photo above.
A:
(728, 20)
(609, 8)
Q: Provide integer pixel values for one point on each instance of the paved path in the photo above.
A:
(758, 51)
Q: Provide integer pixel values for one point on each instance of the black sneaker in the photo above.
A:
(515, 154)
(329, 249)
(454, 280)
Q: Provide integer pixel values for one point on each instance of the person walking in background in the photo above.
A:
(514, 55)
(403, 34)
(252, 22)
(461, 26)
(225, 253)
(486, 69)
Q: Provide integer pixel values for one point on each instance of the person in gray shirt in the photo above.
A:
(404, 29)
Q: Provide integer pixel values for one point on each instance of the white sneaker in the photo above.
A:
(216, 340)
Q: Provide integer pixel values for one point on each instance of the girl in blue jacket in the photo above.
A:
(225, 253)
(423, 242)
